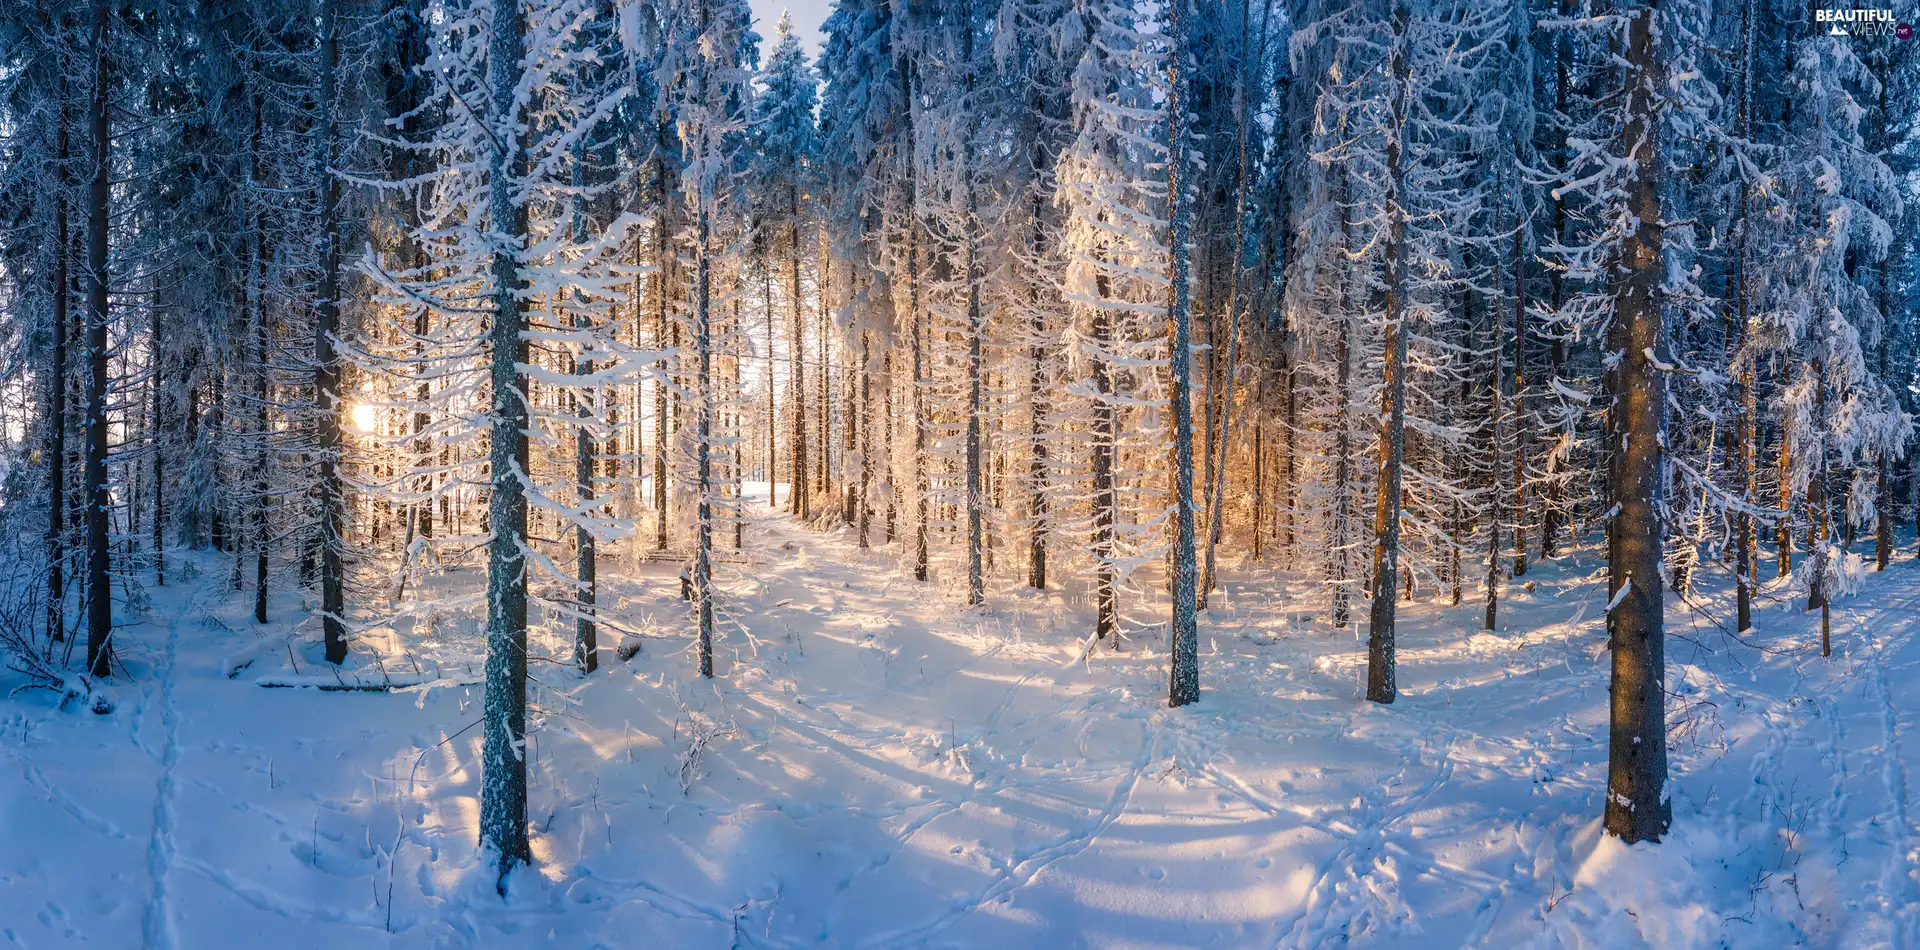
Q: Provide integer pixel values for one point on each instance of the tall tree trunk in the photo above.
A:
(1550, 508)
(586, 647)
(1106, 501)
(1498, 411)
(864, 406)
(1519, 398)
(503, 784)
(1820, 520)
(326, 367)
(1289, 433)
(737, 454)
(1783, 536)
(1636, 806)
(256, 293)
(1339, 568)
(1257, 521)
(1393, 397)
(662, 281)
(1184, 674)
(773, 416)
(56, 422)
(976, 330)
(917, 402)
(1747, 430)
(1343, 445)
(1746, 541)
(703, 344)
(99, 585)
(1037, 480)
(156, 391)
(823, 430)
(801, 491)
(886, 437)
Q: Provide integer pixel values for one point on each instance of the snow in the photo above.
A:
(876, 766)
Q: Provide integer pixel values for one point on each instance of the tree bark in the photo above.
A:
(1393, 408)
(99, 211)
(703, 343)
(976, 330)
(326, 366)
(1636, 807)
(1106, 501)
(503, 786)
(256, 292)
(56, 422)
(801, 491)
(1184, 674)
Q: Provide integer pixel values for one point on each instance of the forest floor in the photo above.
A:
(875, 766)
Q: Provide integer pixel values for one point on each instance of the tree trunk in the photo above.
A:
(1037, 424)
(1783, 534)
(1498, 409)
(1393, 397)
(503, 786)
(1106, 501)
(586, 647)
(1519, 401)
(1636, 807)
(99, 589)
(256, 292)
(773, 416)
(1745, 533)
(56, 422)
(1337, 566)
(864, 406)
(662, 281)
(1184, 675)
(156, 392)
(326, 367)
(916, 403)
(823, 429)
(703, 344)
(976, 330)
(800, 492)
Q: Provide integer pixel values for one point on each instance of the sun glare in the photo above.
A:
(364, 417)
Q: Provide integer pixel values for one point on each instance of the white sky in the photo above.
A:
(807, 17)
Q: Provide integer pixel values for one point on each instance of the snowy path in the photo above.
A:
(159, 932)
(877, 767)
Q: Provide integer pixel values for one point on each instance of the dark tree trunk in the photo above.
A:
(976, 330)
(916, 401)
(1636, 806)
(1037, 424)
(1393, 398)
(99, 584)
(864, 406)
(56, 422)
(256, 292)
(801, 492)
(1106, 501)
(1184, 675)
(703, 344)
(326, 367)
(503, 786)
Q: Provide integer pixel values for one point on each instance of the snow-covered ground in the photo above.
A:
(876, 766)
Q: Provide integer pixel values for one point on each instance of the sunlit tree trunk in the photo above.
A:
(1636, 806)
(1393, 398)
